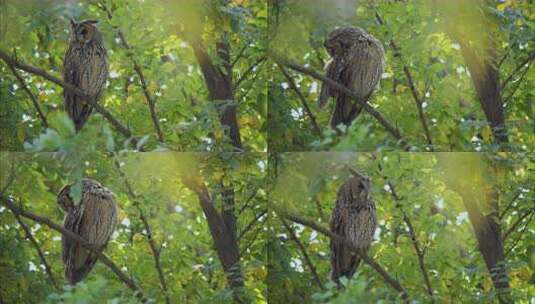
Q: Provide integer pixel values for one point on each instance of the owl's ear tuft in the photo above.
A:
(73, 23)
(91, 21)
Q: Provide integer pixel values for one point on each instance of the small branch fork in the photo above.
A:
(416, 96)
(152, 243)
(302, 99)
(308, 261)
(335, 237)
(30, 94)
(412, 233)
(29, 234)
(69, 87)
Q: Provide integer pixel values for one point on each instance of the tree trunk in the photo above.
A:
(220, 88)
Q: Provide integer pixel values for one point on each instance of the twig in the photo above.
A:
(249, 70)
(519, 236)
(150, 100)
(376, 114)
(518, 68)
(308, 261)
(513, 92)
(250, 225)
(103, 258)
(69, 87)
(518, 221)
(412, 86)
(513, 200)
(30, 94)
(302, 99)
(152, 244)
(337, 238)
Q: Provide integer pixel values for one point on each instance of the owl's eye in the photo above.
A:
(83, 31)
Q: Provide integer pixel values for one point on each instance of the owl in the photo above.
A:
(353, 218)
(93, 219)
(84, 66)
(357, 62)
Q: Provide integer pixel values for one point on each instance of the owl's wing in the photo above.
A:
(70, 75)
(73, 254)
(343, 261)
(333, 70)
(366, 65)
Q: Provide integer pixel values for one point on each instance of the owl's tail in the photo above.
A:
(345, 111)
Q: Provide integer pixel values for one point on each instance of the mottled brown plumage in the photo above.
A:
(357, 62)
(84, 66)
(93, 219)
(353, 218)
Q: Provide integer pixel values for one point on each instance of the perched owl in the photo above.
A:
(84, 66)
(93, 219)
(357, 62)
(353, 218)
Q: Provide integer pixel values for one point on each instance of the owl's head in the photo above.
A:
(64, 198)
(360, 186)
(84, 31)
(342, 39)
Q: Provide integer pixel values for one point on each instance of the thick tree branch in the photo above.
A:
(103, 258)
(302, 99)
(302, 248)
(368, 260)
(226, 246)
(151, 101)
(376, 114)
(67, 86)
(412, 86)
(152, 243)
(30, 94)
(220, 88)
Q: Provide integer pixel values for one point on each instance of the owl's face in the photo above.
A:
(84, 31)
(64, 199)
(341, 39)
(360, 188)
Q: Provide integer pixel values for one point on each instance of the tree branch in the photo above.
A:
(152, 243)
(368, 260)
(103, 258)
(28, 232)
(302, 248)
(376, 114)
(521, 65)
(517, 222)
(412, 86)
(226, 246)
(249, 70)
(412, 233)
(69, 87)
(150, 100)
(302, 99)
(30, 94)
(250, 225)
